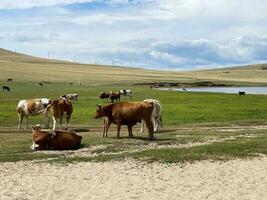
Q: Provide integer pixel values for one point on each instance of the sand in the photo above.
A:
(131, 179)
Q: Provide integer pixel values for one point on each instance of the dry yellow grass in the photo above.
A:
(22, 67)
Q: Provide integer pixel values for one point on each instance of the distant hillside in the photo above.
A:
(23, 67)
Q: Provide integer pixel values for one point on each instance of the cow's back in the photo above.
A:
(66, 140)
(134, 111)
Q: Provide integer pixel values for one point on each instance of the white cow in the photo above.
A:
(32, 107)
(156, 115)
(126, 93)
(71, 97)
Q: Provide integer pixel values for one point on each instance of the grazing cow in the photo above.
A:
(41, 84)
(184, 89)
(32, 107)
(71, 97)
(60, 108)
(6, 88)
(126, 113)
(114, 96)
(241, 93)
(57, 140)
(126, 93)
(9, 79)
(104, 95)
(155, 116)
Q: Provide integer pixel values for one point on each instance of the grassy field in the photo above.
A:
(196, 125)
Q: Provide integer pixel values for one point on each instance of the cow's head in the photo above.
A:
(37, 127)
(99, 112)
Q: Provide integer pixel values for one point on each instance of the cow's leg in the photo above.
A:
(161, 121)
(47, 121)
(142, 126)
(118, 129)
(150, 129)
(27, 117)
(106, 127)
(130, 131)
(60, 122)
(68, 119)
(20, 121)
(155, 123)
(54, 123)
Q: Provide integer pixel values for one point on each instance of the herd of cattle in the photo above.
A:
(147, 112)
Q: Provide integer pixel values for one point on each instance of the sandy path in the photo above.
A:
(236, 179)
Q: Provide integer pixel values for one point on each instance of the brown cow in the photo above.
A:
(126, 113)
(60, 108)
(60, 140)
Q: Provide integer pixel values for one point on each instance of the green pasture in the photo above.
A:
(183, 111)
(179, 107)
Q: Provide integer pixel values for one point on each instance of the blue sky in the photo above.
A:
(158, 34)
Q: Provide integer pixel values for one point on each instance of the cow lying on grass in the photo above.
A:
(58, 140)
(124, 113)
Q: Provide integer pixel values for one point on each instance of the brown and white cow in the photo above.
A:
(71, 96)
(32, 107)
(156, 115)
(58, 140)
(126, 113)
(60, 108)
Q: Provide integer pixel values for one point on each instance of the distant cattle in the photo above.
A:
(156, 115)
(126, 93)
(6, 88)
(60, 108)
(9, 80)
(71, 97)
(32, 107)
(104, 95)
(124, 113)
(241, 93)
(184, 89)
(59, 140)
(114, 96)
(41, 84)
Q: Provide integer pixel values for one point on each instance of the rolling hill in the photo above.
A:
(23, 67)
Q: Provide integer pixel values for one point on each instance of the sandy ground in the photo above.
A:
(236, 179)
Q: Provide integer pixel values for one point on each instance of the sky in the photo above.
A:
(153, 34)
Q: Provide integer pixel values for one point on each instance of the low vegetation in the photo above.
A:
(196, 125)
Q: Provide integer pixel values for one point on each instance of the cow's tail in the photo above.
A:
(46, 110)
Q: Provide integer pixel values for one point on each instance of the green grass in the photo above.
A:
(179, 107)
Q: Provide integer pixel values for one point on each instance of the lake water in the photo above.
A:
(248, 90)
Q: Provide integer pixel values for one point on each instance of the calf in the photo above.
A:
(6, 88)
(71, 97)
(114, 96)
(156, 115)
(59, 140)
(32, 107)
(124, 113)
(60, 108)
(104, 95)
